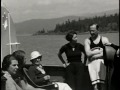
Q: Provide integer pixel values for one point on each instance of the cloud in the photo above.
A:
(27, 11)
(57, 8)
(49, 2)
(44, 2)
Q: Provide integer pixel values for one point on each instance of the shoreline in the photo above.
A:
(83, 33)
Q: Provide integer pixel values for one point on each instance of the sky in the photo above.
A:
(22, 10)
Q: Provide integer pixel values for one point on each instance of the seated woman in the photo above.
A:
(10, 67)
(19, 77)
(38, 74)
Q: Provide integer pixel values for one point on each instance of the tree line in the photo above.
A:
(106, 23)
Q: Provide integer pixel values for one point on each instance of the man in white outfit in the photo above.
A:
(94, 50)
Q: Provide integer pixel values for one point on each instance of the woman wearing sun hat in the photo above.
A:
(38, 74)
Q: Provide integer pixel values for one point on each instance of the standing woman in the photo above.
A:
(74, 66)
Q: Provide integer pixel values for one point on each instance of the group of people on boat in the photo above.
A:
(12, 71)
(93, 52)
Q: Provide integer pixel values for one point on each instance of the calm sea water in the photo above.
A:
(48, 45)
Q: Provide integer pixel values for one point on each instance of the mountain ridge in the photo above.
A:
(34, 25)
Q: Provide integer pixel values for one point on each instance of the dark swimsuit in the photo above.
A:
(93, 45)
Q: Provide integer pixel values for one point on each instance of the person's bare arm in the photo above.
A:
(88, 51)
(106, 41)
(98, 56)
(62, 60)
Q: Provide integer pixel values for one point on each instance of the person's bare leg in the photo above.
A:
(95, 86)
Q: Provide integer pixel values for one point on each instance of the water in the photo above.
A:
(49, 45)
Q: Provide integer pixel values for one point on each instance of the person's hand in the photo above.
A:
(97, 50)
(65, 65)
(108, 44)
(98, 55)
(101, 49)
(118, 53)
(47, 77)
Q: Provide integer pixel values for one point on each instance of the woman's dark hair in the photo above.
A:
(7, 61)
(20, 56)
(69, 35)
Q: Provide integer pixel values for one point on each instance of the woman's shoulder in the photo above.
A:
(65, 45)
(9, 79)
(79, 44)
(6, 75)
(11, 84)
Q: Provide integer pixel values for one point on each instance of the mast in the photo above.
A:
(9, 33)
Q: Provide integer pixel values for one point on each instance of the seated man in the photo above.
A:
(38, 74)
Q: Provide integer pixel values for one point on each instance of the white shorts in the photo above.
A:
(97, 71)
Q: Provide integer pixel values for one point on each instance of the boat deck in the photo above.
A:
(57, 73)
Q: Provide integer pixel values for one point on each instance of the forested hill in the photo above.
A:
(107, 24)
(37, 26)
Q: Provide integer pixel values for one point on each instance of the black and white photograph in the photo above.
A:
(60, 45)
